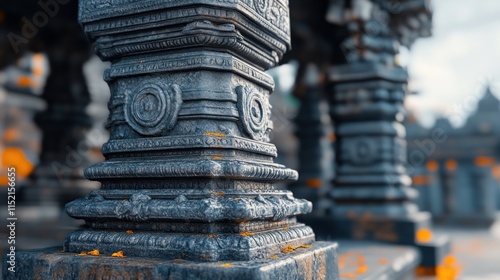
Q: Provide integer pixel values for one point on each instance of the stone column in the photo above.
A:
(65, 121)
(313, 130)
(188, 176)
(64, 124)
(372, 194)
(313, 50)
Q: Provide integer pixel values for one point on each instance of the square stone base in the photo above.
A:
(316, 262)
(402, 231)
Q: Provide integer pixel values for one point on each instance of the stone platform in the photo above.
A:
(369, 260)
(401, 231)
(305, 262)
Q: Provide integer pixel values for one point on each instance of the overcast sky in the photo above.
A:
(451, 68)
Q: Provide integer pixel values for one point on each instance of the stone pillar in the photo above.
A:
(313, 129)
(372, 193)
(449, 174)
(482, 189)
(63, 124)
(188, 176)
(65, 121)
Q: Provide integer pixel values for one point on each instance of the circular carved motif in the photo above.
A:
(363, 150)
(153, 108)
(254, 112)
(261, 6)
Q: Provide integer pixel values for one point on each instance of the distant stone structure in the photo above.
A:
(64, 123)
(458, 177)
(187, 184)
(19, 102)
(371, 195)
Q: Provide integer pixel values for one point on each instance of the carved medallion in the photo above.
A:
(254, 112)
(153, 108)
(261, 6)
(363, 150)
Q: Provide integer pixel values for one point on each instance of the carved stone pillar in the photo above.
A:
(189, 171)
(372, 194)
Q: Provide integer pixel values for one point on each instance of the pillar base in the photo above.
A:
(316, 262)
(402, 231)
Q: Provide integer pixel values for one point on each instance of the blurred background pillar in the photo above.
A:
(371, 191)
(313, 130)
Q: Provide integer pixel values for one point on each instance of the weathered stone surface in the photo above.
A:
(189, 143)
(316, 262)
(189, 171)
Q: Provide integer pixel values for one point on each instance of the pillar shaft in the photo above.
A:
(367, 105)
(313, 130)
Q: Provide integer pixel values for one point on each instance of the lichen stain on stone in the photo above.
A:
(226, 265)
(246, 233)
(215, 134)
(129, 231)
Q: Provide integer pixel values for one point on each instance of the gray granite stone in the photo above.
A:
(189, 172)
(316, 262)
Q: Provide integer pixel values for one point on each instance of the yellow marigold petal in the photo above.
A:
(94, 253)
(288, 249)
(118, 254)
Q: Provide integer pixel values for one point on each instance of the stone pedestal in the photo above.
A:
(189, 171)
